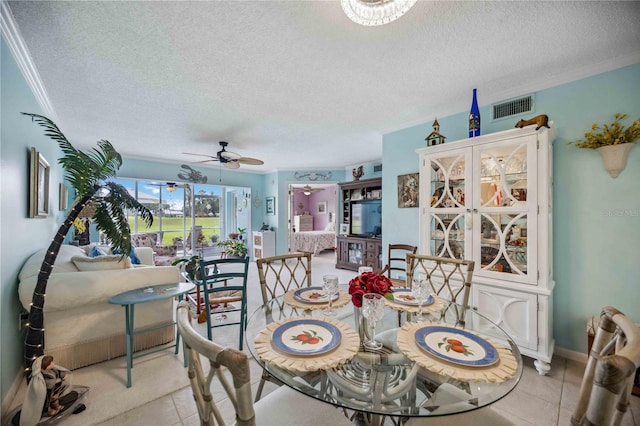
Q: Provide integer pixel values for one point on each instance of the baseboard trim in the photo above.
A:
(13, 391)
(572, 355)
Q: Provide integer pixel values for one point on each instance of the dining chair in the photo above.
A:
(279, 274)
(223, 282)
(449, 278)
(608, 376)
(396, 267)
(283, 406)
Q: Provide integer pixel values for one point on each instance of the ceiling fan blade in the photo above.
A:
(231, 164)
(228, 155)
(204, 161)
(201, 155)
(250, 161)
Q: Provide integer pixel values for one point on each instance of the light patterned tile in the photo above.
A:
(158, 413)
(529, 407)
(184, 402)
(570, 394)
(574, 372)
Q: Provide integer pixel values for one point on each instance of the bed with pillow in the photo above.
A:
(315, 241)
(81, 327)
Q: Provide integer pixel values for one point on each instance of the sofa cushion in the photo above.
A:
(101, 263)
(62, 264)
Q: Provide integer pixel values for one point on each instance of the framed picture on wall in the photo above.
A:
(64, 195)
(270, 203)
(38, 185)
(408, 190)
(322, 207)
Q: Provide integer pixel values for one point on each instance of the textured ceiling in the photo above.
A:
(297, 78)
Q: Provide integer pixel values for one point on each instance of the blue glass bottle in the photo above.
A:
(474, 117)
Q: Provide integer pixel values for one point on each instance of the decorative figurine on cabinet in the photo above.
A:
(357, 173)
(435, 138)
(539, 120)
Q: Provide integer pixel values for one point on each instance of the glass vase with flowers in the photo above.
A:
(367, 282)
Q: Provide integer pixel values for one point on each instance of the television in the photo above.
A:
(366, 218)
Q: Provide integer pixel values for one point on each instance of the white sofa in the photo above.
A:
(81, 327)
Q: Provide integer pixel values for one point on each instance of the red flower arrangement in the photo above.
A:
(369, 282)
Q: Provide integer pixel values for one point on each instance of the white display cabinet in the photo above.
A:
(489, 199)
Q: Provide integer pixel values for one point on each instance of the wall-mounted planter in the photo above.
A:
(615, 157)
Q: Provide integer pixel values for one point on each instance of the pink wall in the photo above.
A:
(310, 204)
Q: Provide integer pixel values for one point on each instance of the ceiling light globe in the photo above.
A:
(375, 12)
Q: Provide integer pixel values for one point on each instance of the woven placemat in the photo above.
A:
(341, 301)
(438, 305)
(347, 349)
(503, 370)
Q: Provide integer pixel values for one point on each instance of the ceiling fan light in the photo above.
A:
(375, 12)
(232, 165)
(171, 186)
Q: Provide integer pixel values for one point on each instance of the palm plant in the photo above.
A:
(87, 173)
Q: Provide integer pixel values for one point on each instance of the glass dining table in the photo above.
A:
(440, 366)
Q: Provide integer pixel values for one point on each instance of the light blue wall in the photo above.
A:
(21, 236)
(596, 238)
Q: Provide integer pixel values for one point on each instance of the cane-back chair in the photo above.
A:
(450, 279)
(608, 377)
(283, 407)
(279, 274)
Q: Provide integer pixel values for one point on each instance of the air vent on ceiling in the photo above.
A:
(513, 107)
(377, 168)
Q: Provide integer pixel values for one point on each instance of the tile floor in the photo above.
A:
(161, 394)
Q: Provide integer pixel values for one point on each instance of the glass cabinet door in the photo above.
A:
(505, 208)
(450, 196)
(355, 252)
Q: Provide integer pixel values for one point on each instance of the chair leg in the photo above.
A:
(260, 387)
(208, 310)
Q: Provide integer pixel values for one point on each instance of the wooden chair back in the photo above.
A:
(238, 389)
(608, 377)
(396, 266)
(224, 281)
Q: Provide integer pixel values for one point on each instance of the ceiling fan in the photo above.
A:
(307, 190)
(229, 159)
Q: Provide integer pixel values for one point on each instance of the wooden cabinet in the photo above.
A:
(354, 252)
(361, 203)
(303, 222)
(264, 244)
(489, 199)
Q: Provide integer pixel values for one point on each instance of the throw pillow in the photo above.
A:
(100, 263)
(133, 256)
(96, 251)
(147, 239)
(331, 226)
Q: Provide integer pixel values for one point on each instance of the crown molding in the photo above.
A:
(14, 40)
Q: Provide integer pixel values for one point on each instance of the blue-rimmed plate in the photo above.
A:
(404, 296)
(313, 295)
(456, 346)
(306, 337)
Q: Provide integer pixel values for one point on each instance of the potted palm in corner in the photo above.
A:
(87, 173)
(613, 142)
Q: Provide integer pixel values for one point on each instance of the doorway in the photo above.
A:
(310, 207)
